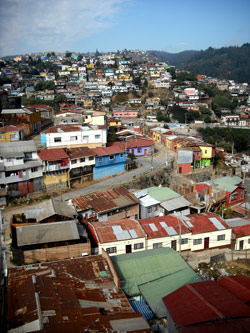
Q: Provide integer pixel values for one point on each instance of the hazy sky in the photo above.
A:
(107, 25)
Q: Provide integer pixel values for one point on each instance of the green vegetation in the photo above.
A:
(162, 117)
(4, 80)
(43, 85)
(225, 137)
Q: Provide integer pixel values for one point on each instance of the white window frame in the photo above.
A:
(57, 139)
(221, 237)
(138, 246)
(157, 245)
(197, 241)
(111, 249)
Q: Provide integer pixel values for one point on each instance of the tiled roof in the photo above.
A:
(113, 231)
(239, 285)
(105, 201)
(108, 150)
(155, 228)
(202, 223)
(52, 154)
(70, 294)
(203, 301)
(242, 231)
(79, 152)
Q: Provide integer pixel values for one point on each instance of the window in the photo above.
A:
(91, 158)
(184, 241)
(19, 158)
(27, 155)
(149, 209)
(138, 246)
(139, 150)
(233, 196)
(111, 157)
(35, 169)
(85, 138)
(121, 155)
(205, 151)
(248, 240)
(197, 241)
(220, 237)
(57, 139)
(73, 138)
(74, 161)
(111, 249)
(155, 208)
(82, 159)
(97, 137)
(157, 245)
(100, 159)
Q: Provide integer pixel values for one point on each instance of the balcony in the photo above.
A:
(56, 167)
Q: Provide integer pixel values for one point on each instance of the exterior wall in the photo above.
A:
(142, 151)
(121, 246)
(127, 212)
(206, 152)
(157, 137)
(11, 136)
(246, 244)
(79, 164)
(83, 138)
(184, 168)
(125, 114)
(108, 170)
(205, 162)
(144, 213)
(166, 242)
(239, 197)
(55, 179)
(213, 242)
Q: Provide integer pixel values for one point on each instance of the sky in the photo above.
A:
(28, 26)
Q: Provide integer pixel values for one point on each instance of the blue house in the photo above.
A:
(108, 161)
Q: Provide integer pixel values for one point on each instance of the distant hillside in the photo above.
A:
(226, 63)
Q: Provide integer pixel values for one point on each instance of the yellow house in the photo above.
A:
(11, 133)
(113, 122)
(156, 136)
(206, 151)
(88, 103)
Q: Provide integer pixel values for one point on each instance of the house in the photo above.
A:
(67, 301)
(46, 113)
(125, 113)
(205, 307)
(64, 136)
(55, 167)
(30, 119)
(11, 133)
(208, 231)
(160, 201)
(108, 161)
(81, 164)
(166, 231)
(20, 168)
(241, 235)
(135, 145)
(235, 192)
(184, 160)
(114, 204)
(156, 134)
(153, 274)
(118, 236)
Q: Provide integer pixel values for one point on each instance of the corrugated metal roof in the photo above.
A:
(156, 227)
(241, 231)
(162, 193)
(50, 208)
(153, 291)
(52, 154)
(135, 269)
(229, 184)
(148, 201)
(237, 222)
(46, 233)
(17, 148)
(203, 301)
(239, 285)
(202, 223)
(105, 201)
(176, 203)
(112, 231)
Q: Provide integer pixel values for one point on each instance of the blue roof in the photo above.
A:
(142, 307)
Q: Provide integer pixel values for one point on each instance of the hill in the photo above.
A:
(232, 63)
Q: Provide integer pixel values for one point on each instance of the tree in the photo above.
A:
(137, 81)
(145, 83)
(150, 94)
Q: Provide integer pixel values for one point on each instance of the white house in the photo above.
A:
(242, 237)
(118, 236)
(74, 135)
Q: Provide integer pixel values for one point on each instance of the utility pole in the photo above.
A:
(152, 156)
(179, 237)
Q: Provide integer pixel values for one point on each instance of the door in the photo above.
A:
(128, 249)
(173, 244)
(145, 152)
(241, 245)
(206, 243)
(180, 169)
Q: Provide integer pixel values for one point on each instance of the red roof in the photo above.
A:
(201, 223)
(203, 301)
(130, 228)
(138, 142)
(239, 285)
(154, 229)
(8, 128)
(114, 149)
(79, 152)
(242, 231)
(52, 154)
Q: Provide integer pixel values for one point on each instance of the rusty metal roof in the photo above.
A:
(113, 231)
(105, 201)
(69, 295)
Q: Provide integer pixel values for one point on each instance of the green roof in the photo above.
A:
(154, 291)
(227, 183)
(141, 267)
(162, 193)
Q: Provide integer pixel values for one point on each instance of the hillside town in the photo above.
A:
(122, 179)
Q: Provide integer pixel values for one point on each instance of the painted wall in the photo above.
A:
(55, 179)
(166, 242)
(246, 243)
(213, 242)
(142, 151)
(108, 170)
(184, 168)
(121, 246)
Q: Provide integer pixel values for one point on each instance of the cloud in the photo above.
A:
(43, 25)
